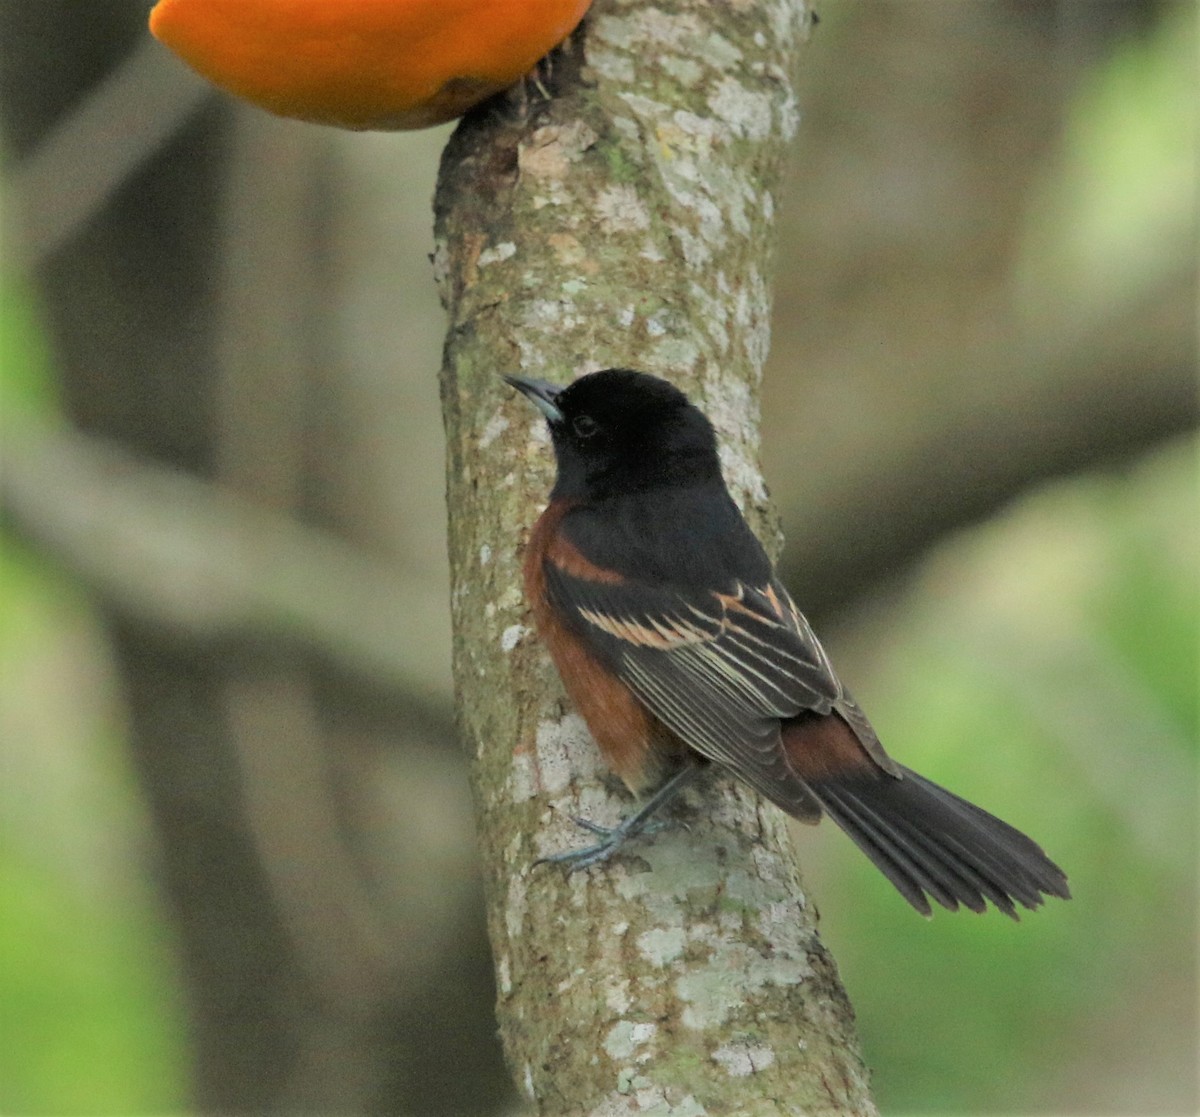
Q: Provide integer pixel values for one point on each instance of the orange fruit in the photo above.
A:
(384, 64)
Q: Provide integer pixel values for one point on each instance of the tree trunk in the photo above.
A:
(626, 221)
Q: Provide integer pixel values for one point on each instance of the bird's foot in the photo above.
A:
(612, 839)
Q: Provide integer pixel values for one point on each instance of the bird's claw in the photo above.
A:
(593, 827)
(612, 838)
(575, 859)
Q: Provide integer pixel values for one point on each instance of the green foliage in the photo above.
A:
(85, 984)
(1121, 202)
(1044, 666)
(89, 1008)
(24, 360)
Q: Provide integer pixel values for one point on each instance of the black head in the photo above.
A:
(623, 431)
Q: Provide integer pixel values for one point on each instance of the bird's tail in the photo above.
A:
(932, 844)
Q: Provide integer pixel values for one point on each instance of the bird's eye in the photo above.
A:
(585, 426)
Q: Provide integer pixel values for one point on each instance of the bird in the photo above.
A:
(681, 649)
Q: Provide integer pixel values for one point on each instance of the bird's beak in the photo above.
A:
(541, 393)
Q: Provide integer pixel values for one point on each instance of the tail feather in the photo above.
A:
(1005, 847)
(973, 870)
(932, 844)
(1002, 852)
(894, 858)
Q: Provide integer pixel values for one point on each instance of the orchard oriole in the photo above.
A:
(679, 646)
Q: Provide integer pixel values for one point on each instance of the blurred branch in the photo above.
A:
(972, 323)
(298, 811)
(175, 553)
(100, 143)
(1079, 393)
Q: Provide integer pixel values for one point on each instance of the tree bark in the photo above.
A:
(627, 221)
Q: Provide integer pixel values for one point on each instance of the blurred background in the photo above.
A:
(236, 860)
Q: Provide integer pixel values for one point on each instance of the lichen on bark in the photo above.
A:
(626, 220)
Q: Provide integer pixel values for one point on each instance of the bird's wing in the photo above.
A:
(722, 670)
